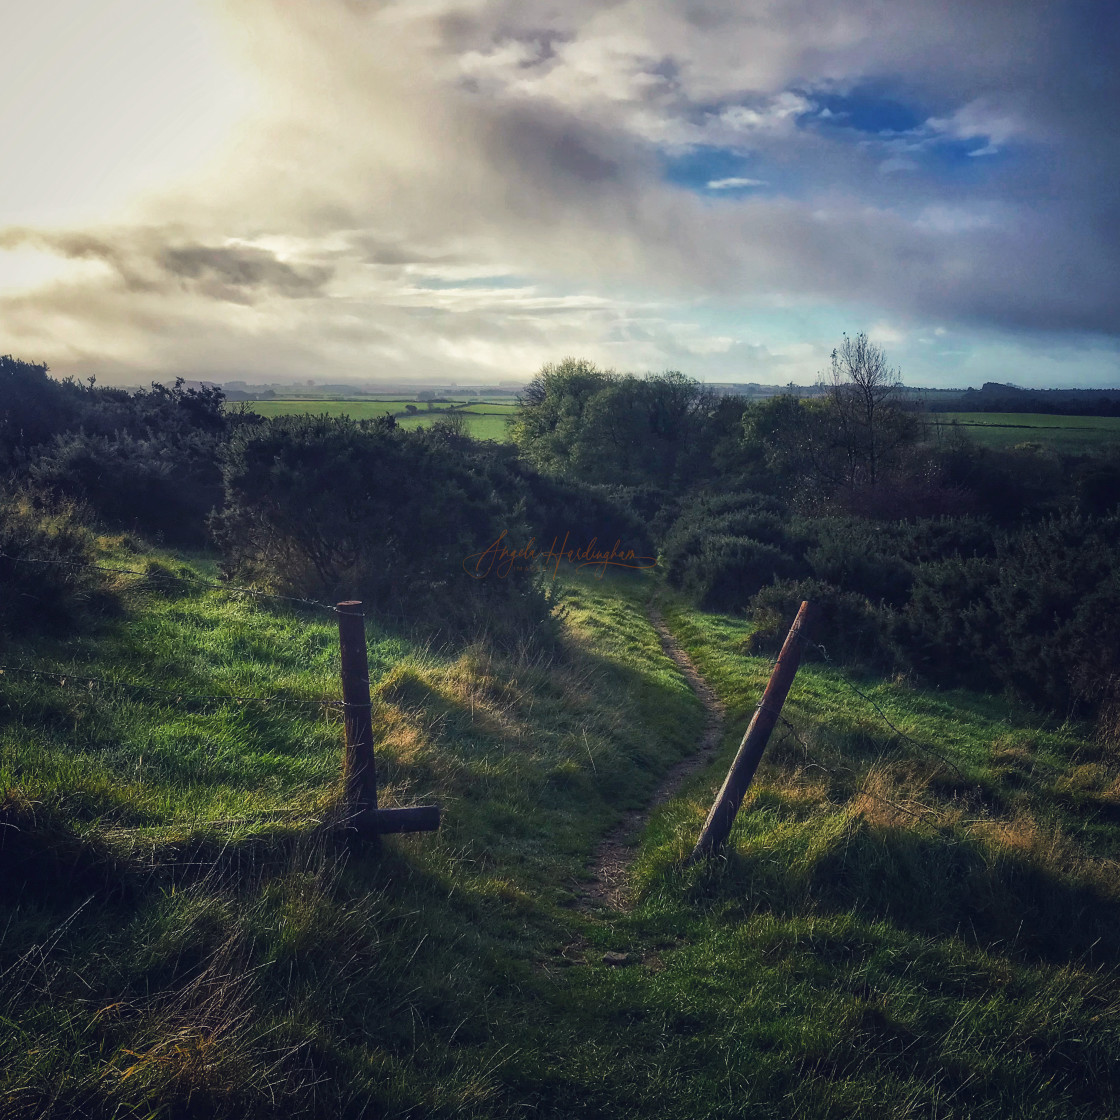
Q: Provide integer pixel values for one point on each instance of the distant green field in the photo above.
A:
(485, 420)
(359, 410)
(1059, 433)
(481, 425)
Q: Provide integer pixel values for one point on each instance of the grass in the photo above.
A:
(480, 425)
(485, 419)
(1074, 434)
(886, 937)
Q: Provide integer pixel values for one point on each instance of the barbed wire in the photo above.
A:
(262, 816)
(179, 695)
(815, 763)
(163, 573)
(882, 715)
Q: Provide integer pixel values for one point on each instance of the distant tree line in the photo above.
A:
(996, 397)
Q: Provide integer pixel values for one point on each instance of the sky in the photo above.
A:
(463, 190)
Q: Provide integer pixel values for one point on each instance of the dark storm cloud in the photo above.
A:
(152, 260)
(238, 272)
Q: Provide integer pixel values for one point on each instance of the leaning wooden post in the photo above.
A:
(717, 827)
(359, 773)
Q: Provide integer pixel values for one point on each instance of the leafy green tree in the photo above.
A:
(549, 419)
(595, 425)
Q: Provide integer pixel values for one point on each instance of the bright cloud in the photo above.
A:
(734, 183)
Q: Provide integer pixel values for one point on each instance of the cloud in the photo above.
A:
(237, 271)
(435, 138)
(147, 260)
(733, 183)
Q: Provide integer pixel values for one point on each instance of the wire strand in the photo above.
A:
(883, 715)
(162, 574)
(61, 678)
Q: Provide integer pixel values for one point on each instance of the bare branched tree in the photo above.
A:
(863, 391)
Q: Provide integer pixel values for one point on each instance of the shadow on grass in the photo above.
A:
(931, 886)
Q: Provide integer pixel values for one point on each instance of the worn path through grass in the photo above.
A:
(615, 852)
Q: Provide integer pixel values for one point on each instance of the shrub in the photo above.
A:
(146, 459)
(725, 571)
(1032, 618)
(745, 514)
(165, 484)
(51, 595)
(332, 507)
(853, 556)
(850, 628)
(558, 507)
(946, 627)
(33, 407)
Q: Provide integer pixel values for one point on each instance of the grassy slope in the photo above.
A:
(1076, 434)
(848, 958)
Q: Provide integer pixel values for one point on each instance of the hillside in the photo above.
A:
(907, 924)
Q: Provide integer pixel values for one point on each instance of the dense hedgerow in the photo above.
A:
(1029, 613)
(960, 601)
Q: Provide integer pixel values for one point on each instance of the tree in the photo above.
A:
(855, 443)
(863, 395)
(581, 422)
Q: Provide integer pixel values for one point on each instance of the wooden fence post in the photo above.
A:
(359, 771)
(717, 827)
(358, 768)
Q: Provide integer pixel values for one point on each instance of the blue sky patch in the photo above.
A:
(717, 171)
(866, 111)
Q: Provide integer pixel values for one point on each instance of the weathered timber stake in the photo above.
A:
(358, 769)
(359, 773)
(717, 827)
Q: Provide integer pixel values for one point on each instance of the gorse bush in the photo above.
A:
(1033, 617)
(557, 509)
(57, 591)
(725, 568)
(849, 628)
(33, 408)
(847, 555)
(407, 521)
(146, 460)
(166, 484)
(1027, 611)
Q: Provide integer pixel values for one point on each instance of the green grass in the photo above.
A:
(481, 425)
(885, 938)
(485, 419)
(358, 410)
(1076, 434)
